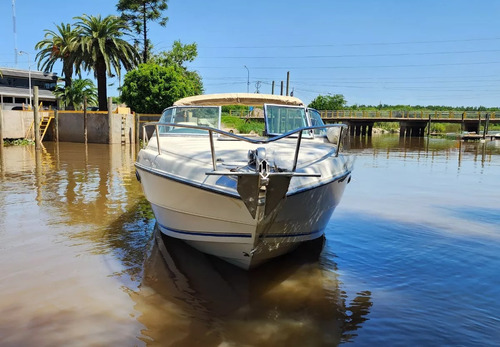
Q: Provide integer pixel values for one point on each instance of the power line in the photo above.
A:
(349, 66)
(358, 44)
(354, 55)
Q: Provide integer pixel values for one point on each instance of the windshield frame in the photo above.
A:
(312, 118)
(267, 107)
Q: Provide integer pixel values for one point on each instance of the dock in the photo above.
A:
(478, 137)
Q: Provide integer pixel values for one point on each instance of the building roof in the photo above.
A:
(38, 75)
(246, 99)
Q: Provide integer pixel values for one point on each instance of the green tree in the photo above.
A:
(73, 95)
(102, 49)
(58, 45)
(151, 88)
(329, 102)
(138, 13)
(178, 55)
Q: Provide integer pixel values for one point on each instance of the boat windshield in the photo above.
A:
(206, 116)
(316, 121)
(282, 119)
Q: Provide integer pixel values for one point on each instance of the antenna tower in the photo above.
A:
(15, 32)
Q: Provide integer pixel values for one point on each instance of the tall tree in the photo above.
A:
(58, 45)
(102, 49)
(178, 55)
(138, 13)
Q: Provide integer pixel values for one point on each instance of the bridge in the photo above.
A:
(411, 123)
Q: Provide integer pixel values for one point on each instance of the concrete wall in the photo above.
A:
(71, 126)
(16, 123)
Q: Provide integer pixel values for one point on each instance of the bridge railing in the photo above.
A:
(400, 114)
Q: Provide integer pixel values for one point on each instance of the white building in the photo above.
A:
(14, 88)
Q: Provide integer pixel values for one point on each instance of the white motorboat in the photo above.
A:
(245, 199)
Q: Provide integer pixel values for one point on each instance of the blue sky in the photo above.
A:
(427, 52)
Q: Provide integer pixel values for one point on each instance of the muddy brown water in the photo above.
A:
(411, 256)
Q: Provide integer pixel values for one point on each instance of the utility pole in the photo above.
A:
(257, 86)
(287, 82)
(248, 79)
(14, 26)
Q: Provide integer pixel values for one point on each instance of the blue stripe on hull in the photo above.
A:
(211, 234)
(201, 233)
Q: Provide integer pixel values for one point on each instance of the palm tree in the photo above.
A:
(73, 95)
(58, 45)
(101, 49)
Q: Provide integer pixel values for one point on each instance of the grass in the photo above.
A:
(244, 126)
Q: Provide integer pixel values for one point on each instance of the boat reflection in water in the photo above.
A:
(190, 298)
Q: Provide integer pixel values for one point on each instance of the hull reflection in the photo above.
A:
(293, 300)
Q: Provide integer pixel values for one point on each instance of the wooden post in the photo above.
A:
(110, 120)
(272, 88)
(56, 115)
(85, 119)
(137, 128)
(1, 126)
(38, 143)
(287, 82)
(463, 123)
(486, 125)
(281, 88)
(429, 126)
(479, 123)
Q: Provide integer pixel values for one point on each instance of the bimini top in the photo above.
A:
(246, 99)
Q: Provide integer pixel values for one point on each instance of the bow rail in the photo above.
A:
(211, 131)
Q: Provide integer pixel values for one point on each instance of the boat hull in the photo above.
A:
(221, 225)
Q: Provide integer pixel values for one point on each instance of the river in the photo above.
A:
(411, 257)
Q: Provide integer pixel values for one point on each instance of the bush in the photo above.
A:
(392, 127)
(18, 142)
(151, 88)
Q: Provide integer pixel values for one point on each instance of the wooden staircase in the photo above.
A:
(45, 121)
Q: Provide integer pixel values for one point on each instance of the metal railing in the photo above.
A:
(401, 114)
(257, 141)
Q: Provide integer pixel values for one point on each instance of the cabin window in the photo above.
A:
(282, 119)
